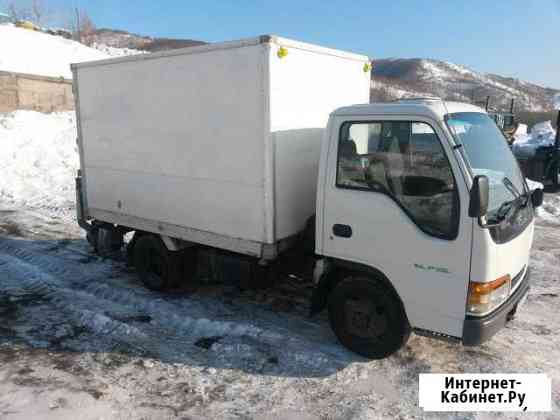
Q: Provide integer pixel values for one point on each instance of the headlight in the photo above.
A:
(484, 297)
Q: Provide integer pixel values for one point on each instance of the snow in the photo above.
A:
(521, 130)
(541, 135)
(459, 81)
(534, 185)
(33, 52)
(116, 52)
(398, 92)
(435, 71)
(446, 71)
(38, 159)
(550, 211)
(543, 132)
(556, 101)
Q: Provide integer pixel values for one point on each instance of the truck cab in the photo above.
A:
(425, 224)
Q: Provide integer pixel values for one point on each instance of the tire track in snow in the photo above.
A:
(155, 307)
(21, 278)
(182, 324)
(84, 310)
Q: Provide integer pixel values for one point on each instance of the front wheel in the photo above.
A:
(367, 317)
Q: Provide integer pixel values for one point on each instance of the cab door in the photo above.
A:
(395, 200)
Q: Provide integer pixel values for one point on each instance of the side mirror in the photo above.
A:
(537, 197)
(478, 205)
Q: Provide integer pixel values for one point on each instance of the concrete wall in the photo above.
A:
(37, 93)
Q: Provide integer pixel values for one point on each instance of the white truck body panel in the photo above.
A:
(385, 239)
(303, 93)
(220, 141)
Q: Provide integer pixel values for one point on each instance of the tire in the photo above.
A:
(91, 237)
(156, 266)
(108, 241)
(357, 301)
(187, 280)
(161, 269)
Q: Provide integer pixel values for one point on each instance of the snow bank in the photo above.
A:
(542, 134)
(521, 130)
(38, 159)
(534, 185)
(25, 51)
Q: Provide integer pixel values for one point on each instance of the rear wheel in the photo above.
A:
(105, 239)
(109, 241)
(158, 268)
(367, 317)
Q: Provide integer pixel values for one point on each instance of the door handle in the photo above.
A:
(344, 231)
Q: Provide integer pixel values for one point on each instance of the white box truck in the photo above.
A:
(248, 158)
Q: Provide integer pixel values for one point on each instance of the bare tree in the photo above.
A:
(33, 10)
(17, 11)
(87, 29)
(37, 11)
(82, 27)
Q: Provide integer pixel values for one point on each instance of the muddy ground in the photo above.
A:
(81, 338)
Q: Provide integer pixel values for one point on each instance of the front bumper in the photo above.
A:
(477, 330)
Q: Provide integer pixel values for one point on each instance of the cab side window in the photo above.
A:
(406, 161)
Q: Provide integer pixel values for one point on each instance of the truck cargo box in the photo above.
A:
(216, 144)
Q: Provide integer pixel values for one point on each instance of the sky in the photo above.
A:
(517, 38)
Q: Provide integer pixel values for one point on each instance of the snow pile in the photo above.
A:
(521, 135)
(116, 52)
(542, 134)
(521, 130)
(550, 209)
(38, 159)
(556, 101)
(32, 52)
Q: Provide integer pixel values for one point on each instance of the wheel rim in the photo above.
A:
(365, 318)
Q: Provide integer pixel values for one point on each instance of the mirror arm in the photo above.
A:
(485, 225)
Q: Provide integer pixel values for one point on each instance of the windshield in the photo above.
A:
(487, 153)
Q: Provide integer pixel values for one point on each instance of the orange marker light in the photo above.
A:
(484, 297)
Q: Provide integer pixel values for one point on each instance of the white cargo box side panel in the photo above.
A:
(307, 85)
(178, 139)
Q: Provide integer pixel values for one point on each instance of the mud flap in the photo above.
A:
(80, 208)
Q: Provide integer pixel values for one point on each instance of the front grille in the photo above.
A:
(517, 278)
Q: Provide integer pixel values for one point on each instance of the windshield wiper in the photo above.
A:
(504, 209)
(510, 186)
(507, 206)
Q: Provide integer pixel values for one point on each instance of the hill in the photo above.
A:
(395, 78)
(123, 39)
(39, 53)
